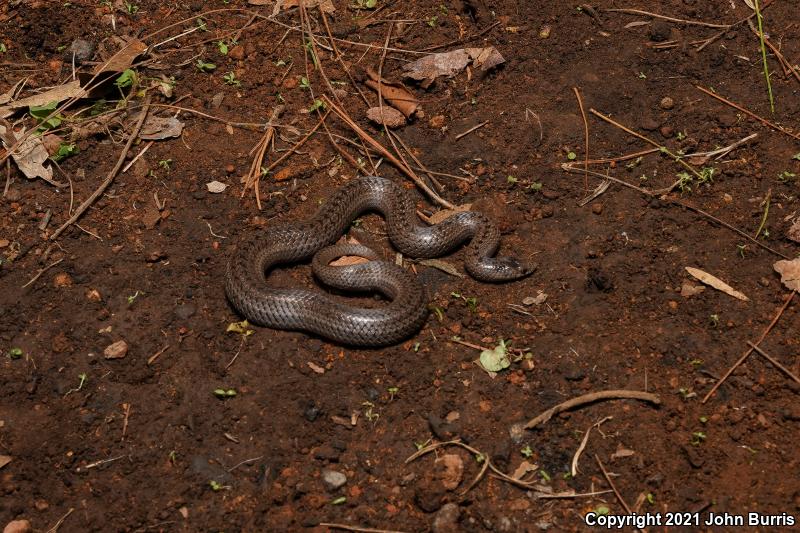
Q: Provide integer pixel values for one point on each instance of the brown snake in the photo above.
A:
(300, 309)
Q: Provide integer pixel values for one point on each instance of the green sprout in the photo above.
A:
(304, 83)
(223, 47)
(126, 79)
(480, 458)
(471, 302)
(203, 66)
(572, 156)
(545, 476)
(224, 393)
(714, 320)
(64, 151)
(131, 8)
(230, 79)
(132, 297)
(3, 48)
(392, 392)
(741, 248)
(15, 353)
(42, 112)
(316, 105)
(511, 179)
(698, 437)
(165, 164)
(432, 21)
(339, 501)
(371, 415)
(527, 452)
(786, 176)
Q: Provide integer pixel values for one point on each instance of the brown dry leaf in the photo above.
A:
(391, 117)
(315, 367)
(690, 289)
(452, 470)
(57, 94)
(394, 93)
(447, 213)
(793, 232)
(444, 266)
(428, 68)
(123, 59)
(621, 452)
(716, 283)
(790, 273)
(325, 6)
(159, 128)
(524, 469)
(9, 94)
(259, 2)
(4, 460)
(30, 155)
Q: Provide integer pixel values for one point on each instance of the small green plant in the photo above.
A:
(432, 21)
(714, 319)
(681, 135)
(545, 476)
(371, 415)
(339, 501)
(165, 164)
(230, 79)
(796, 156)
(438, 312)
(786, 176)
(304, 83)
(3, 48)
(15, 353)
(684, 182)
(128, 78)
(223, 47)
(416, 347)
(511, 179)
(526, 452)
(201, 24)
(421, 445)
(642, 76)
(471, 302)
(650, 498)
(703, 419)
(706, 175)
(496, 359)
(479, 458)
(318, 104)
(173, 457)
(741, 249)
(392, 392)
(602, 510)
(216, 486)
(204, 66)
(698, 437)
(364, 4)
(536, 186)
(41, 112)
(64, 151)
(572, 156)
(635, 163)
(132, 297)
(83, 378)
(224, 393)
(696, 362)
(131, 8)
(686, 393)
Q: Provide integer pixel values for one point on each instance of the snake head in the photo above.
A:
(505, 268)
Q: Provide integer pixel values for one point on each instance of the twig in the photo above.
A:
(111, 175)
(137, 156)
(156, 355)
(586, 138)
(590, 398)
(345, 527)
(774, 362)
(748, 112)
(298, 144)
(127, 409)
(671, 19)
(465, 39)
(246, 461)
(388, 155)
(662, 148)
(584, 441)
(60, 521)
(97, 463)
(42, 271)
(611, 483)
(254, 175)
(473, 128)
(625, 157)
(750, 350)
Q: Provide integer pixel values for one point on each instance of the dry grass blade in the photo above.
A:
(665, 17)
(750, 113)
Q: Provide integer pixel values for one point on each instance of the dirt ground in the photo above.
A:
(313, 433)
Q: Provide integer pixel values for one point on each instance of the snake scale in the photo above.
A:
(314, 312)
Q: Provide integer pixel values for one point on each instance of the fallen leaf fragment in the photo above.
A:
(444, 266)
(57, 94)
(790, 273)
(391, 117)
(793, 232)
(622, 452)
(326, 6)
(123, 59)
(158, 128)
(524, 469)
(315, 367)
(30, 155)
(428, 68)
(397, 95)
(117, 350)
(539, 299)
(716, 283)
(452, 470)
(496, 359)
(690, 289)
(4, 460)
(216, 187)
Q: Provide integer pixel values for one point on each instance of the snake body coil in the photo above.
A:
(299, 309)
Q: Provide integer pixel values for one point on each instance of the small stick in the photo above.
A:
(156, 355)
(774, 362)
(97, 463)
(60, 521)
(748, 112)
(42, 271)
(611, 483)
(137, 156)
(473, 128)
(671, 19)
(127, 409)
(625, 157)
(662, 148)
(562, 495)
(749, 351)
(465, 39)
(246, 461)
(299, 143)
(590, 398)
(586, 137)
(345, 527)
(579, 451)
(111, 175)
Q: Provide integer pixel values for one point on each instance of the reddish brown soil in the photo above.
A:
(612, 270)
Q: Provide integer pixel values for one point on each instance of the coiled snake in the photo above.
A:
(299, 309)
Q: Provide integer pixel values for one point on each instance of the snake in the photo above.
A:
(317, 313)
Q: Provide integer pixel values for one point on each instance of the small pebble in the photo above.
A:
(333, 479)
(93, 295)
(62, 279)
(597, 208)
(667, 131)
(446, 520)
(117, 350)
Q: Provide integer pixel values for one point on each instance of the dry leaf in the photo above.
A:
(485, 59)
(30, 155)
(622, 452)
(398, 96)
(447, 213)
(636, 23)
(790, 273)
(216, 187)
(690, 289)
(452, 470)
(716, 283)
(57, 94)
(539, 299)
(524, 469)
(428, 68)
(325, 6)
(444, 266)
(391, 117)
(123, 59)
(793, 232)
(158, 128)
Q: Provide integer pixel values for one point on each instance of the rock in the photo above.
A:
(649, 124)
(18, 526)
(446, 520)
(597, 208)
(82, 51)
(311, 413)
(667, 131)
(118, 350)
(237, 52)
(185, 311)
(428, 499)
(333, 479)
(666, 103)
(660, 31)
(61, 280)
